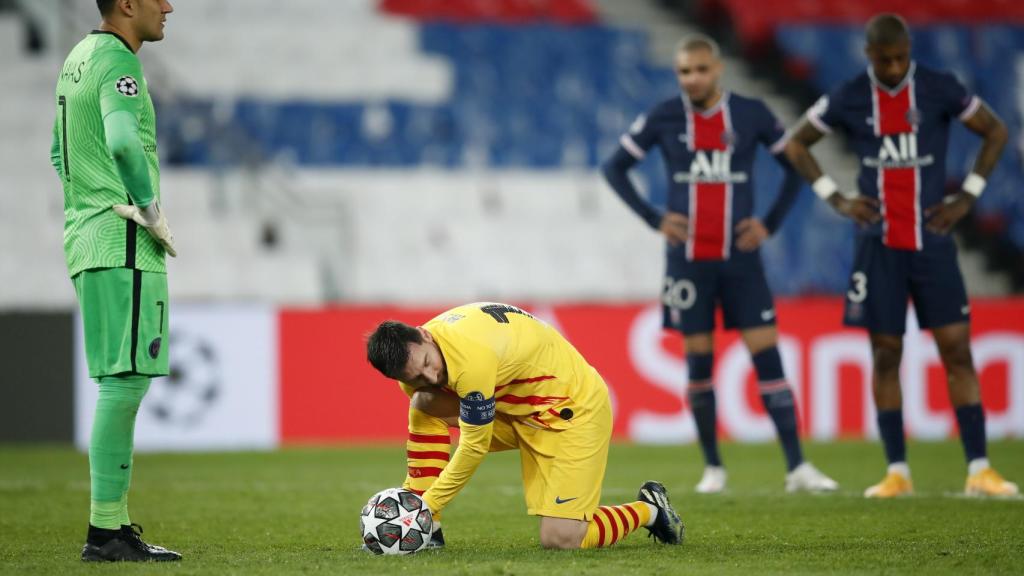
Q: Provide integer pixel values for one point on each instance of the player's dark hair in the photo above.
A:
(105, 6)
(886, 29)
(387, 348)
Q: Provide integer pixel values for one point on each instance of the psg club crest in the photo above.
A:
(127, 86)
(913, 116)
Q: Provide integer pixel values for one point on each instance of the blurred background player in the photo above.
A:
(708, 138)
(115, 237)
(897, 115)
(518, 383)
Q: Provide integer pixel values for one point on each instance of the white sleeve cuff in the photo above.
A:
(815, 112)
(632, 147)
(971, 108)
(779, 144)
(818, 123)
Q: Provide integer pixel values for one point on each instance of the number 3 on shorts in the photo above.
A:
(860, 288)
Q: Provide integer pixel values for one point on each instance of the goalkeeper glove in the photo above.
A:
(152, 219)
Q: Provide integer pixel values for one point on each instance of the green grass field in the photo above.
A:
(295, 512)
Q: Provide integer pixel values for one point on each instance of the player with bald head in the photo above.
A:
(708, 137)
(897, 115)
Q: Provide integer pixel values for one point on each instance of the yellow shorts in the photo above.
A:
(562, 470)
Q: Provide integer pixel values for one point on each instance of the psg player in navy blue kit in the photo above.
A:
(708, 138)
(897, 116)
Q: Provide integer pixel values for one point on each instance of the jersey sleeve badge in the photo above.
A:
(127, 86)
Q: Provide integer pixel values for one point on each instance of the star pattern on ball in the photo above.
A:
(395, 521)
(128, 86)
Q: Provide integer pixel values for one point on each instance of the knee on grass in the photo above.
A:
(562, 534)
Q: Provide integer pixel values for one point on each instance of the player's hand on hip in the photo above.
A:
(941, 218)
(152, 219)
(675, 227)
(861, 209)
(750, 234)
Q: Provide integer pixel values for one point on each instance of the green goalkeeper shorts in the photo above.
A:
(124, 316)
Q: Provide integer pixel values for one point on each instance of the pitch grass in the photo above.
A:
(295, 512)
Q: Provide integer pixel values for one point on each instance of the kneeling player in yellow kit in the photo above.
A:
(513, 382)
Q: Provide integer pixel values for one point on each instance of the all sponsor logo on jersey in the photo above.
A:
(899, 151)
(710, 166)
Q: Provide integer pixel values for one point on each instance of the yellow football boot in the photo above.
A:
(894, 484)
(988, 482)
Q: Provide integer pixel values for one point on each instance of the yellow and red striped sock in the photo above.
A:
(427, 450)
(613, 523)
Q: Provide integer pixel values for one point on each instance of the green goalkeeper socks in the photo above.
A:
(110, 448)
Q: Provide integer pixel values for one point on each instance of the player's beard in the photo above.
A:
(702, 99)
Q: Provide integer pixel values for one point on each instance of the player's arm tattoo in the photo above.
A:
(985, 123)
(798, 152)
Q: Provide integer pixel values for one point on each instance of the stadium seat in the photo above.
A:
(502, 11)
(756, 28)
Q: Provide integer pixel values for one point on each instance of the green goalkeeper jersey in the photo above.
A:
(101, 76)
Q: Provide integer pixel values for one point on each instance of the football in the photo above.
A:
(395, 521)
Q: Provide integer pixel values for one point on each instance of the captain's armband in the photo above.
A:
(475, 409)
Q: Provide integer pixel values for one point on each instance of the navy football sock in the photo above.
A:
(971, 419)
(890, 428)
(778, 402)
(701, 394)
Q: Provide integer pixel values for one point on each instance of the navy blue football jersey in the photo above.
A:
(709, 156)
(900, 135)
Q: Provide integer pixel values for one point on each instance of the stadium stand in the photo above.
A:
(422, 134)
(525, 95)
(495, 11)
(756, 28)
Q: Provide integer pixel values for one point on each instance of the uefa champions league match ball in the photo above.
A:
(395, 521)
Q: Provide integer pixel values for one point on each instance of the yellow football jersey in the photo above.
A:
(502, 359)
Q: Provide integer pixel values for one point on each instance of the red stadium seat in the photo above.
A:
(495, 11)
(756, 26)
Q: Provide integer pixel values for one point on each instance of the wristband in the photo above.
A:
(824, 187)
(973, 184)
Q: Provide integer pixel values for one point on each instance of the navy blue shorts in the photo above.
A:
(691, 290)
(884, 279)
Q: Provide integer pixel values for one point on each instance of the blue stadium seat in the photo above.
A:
(546, 97)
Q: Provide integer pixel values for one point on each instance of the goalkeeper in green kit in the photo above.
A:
(115, 238)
